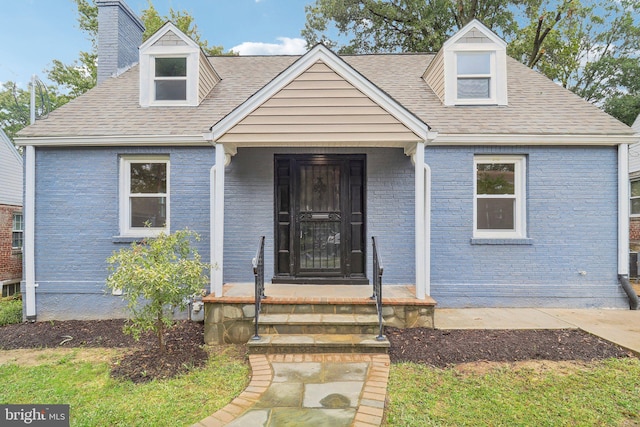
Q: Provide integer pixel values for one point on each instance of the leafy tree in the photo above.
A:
(592, 48)
(400, 25)
(157, 276)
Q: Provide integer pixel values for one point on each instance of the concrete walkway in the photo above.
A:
(336, 390)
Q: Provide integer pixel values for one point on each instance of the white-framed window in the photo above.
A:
(17, 231)
(475, 76)
(144, 195)
(634, 202)
(499, 209)
(170, 78)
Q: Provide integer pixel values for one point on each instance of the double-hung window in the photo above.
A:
(474, 76)
(170, 79)
(500, 206)
(144, 203)
(17, 231)
(635, 198)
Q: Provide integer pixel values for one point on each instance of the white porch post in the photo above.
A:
(420, 220)
(29, 232)
(427, 231)
(217, 235)
(623, 209)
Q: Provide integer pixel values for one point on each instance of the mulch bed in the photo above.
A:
(443, 348)
(185, 345)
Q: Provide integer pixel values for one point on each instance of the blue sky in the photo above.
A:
(34, 32)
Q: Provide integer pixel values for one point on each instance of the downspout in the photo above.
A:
(623, 225)
(419, 164)
(427, 229)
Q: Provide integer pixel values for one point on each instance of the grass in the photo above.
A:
(600, 393)
(596, 394)
(97, 399)
(10, 310)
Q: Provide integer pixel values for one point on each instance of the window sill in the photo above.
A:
(128, 239)
(484, 241)
(16, 251)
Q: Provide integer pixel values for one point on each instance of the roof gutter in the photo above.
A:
(532, 139)
(118, 140)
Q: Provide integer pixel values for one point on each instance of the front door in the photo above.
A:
(320, 219)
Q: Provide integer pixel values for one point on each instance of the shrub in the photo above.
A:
(156, 277)
(10, 310)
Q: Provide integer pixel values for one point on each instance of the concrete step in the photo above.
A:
(318, 343)
(318, 324)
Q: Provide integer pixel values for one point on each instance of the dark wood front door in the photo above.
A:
(320, 219)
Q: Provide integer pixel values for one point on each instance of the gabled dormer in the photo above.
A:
(173, 70)
(471, 68)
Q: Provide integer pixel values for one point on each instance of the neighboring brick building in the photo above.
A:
(11, 219)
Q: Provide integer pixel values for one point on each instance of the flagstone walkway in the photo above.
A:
(331, 390)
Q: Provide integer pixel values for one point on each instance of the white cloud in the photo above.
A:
(286, 46)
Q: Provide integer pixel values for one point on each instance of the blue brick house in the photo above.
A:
(486, 184)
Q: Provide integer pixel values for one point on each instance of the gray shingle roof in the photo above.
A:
(536, 104)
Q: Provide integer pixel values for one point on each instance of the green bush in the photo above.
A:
(10, 310)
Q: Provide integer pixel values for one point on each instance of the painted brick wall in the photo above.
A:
(572, 221)
(249, 210)
(77, 219)
(10, 260)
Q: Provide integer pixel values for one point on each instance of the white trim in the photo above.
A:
(420, 220)
(623, 209)
(531, 139)
(29, 233)
(115, 140)
(338, 65)
(212, 230)
(15, 230)
(125, 184)
(168, 26)
(218, 214)
(520, 209)
(427, 230)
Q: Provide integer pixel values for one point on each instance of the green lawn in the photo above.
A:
(597, 394)
(96, 399)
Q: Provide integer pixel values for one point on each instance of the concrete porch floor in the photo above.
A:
(244, 292)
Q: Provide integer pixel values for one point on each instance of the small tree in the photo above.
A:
(157, 276)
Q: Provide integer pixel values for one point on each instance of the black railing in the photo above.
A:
(258, 273)
(377, 285)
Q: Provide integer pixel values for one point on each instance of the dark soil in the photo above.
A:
(185, 345)
(443, 348)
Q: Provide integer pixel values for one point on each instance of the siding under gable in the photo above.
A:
(474, 36)
(319, 106)
(207, 78)
(170, 39)
(434, 75)
(10, 173)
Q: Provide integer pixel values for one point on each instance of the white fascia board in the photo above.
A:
(120, 140)
(344, 70)
(531, 139)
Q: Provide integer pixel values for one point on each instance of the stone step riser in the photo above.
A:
(318, 329)
(318, 309)
(285, 349)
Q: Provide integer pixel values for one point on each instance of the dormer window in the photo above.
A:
(474, 62)
(474, 75)
(173, 70)
(170, 79)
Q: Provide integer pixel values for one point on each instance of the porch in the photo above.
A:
(311, 318)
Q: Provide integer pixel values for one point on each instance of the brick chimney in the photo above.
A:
(119, 35)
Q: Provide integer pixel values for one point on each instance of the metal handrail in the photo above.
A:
(258, 273)
(377, 285)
